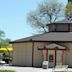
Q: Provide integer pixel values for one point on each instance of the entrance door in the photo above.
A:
(51, 60)
(59, 58)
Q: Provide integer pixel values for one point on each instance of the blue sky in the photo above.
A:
(13, 17)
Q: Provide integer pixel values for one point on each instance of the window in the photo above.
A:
(50, 58)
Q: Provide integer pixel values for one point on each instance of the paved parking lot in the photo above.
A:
(27, 69)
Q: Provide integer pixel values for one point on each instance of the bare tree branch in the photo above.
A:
(47, 12)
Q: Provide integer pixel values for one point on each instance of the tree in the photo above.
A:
(47, 12)
(2, 34)
(4, 42)
(68, 11)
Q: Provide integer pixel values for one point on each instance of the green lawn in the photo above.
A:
(6, 71)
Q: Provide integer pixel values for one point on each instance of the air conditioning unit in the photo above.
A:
(45, 64)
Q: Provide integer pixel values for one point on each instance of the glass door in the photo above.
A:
(51, 60)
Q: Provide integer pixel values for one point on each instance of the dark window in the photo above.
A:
(50, 58)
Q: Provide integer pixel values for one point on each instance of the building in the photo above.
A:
(54, 46)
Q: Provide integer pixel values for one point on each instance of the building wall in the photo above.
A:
(59, 57)
(70, 27)
(59, 27)
(62, 27)
(51, 27)
(38, 57)
(68, 54)
(22, 54)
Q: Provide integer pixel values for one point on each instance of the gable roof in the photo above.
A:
(52, 46)
(51, 36)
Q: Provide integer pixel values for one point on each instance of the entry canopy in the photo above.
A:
(52, 47)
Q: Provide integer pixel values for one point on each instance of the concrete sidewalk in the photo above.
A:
(27, 69)
(24, 69)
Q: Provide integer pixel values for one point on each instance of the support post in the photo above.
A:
(46, 55)
(62, 57)
(55, 57)
(42, 53)
(32, 54)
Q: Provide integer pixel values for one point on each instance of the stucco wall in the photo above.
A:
(59, 57)
(22, 54)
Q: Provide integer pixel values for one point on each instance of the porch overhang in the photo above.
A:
(52, 46)
(55, 47)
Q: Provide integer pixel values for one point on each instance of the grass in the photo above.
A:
(7, 71)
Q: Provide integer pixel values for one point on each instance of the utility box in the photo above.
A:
(45, 64)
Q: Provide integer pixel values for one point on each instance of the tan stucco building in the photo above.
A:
(54, 47)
